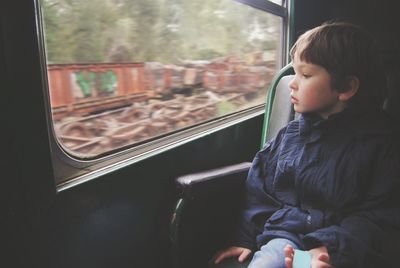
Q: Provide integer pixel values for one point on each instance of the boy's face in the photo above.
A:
(311, 90)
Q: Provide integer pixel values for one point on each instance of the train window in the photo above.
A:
(123, 73)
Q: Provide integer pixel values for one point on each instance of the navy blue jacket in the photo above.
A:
(333, 182)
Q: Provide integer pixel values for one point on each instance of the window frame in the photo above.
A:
(70, 171)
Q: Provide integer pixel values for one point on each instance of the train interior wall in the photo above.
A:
(119, 219)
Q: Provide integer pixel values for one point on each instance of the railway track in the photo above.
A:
(88, 106)
(92, 135)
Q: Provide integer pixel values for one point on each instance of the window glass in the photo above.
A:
(123, 72)
(279, 2)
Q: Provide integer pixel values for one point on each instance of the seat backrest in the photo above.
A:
(282, 108)
(279, 109)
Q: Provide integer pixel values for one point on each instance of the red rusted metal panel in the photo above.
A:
(59, 87)
(72, 85)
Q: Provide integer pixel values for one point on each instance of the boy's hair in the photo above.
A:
(345, 50)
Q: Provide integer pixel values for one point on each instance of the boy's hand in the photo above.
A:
(243, 253)
(319, 257)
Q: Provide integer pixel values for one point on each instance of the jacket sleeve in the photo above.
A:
(259, 203)
(361, 236)
(263, 212)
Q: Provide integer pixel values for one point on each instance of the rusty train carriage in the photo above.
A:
(86, 88)
(101, 107)
(73, 85)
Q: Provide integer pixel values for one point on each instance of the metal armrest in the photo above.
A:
(208, 183)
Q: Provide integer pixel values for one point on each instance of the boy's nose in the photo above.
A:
(293, 84)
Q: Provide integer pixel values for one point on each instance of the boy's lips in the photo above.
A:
(293, 99)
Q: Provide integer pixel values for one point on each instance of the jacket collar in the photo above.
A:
(313, 125)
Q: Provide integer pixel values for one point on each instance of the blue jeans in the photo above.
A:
(271, 255)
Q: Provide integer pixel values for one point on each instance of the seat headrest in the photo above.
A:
(282, 110)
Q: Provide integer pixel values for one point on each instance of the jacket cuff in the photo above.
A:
(318, 239)
(311, 242)
(314, 219)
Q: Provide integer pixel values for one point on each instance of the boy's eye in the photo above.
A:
(306, 75)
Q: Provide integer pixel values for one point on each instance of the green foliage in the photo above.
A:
(207, 54)
(169, 31)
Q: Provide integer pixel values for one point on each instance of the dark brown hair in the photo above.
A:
(345, 50)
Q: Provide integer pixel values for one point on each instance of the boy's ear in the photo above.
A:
(352, 87)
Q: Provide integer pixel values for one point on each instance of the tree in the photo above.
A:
(168, 31)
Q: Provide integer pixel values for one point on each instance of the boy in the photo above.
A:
(329, 182)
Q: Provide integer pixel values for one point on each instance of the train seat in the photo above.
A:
(205, 215)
